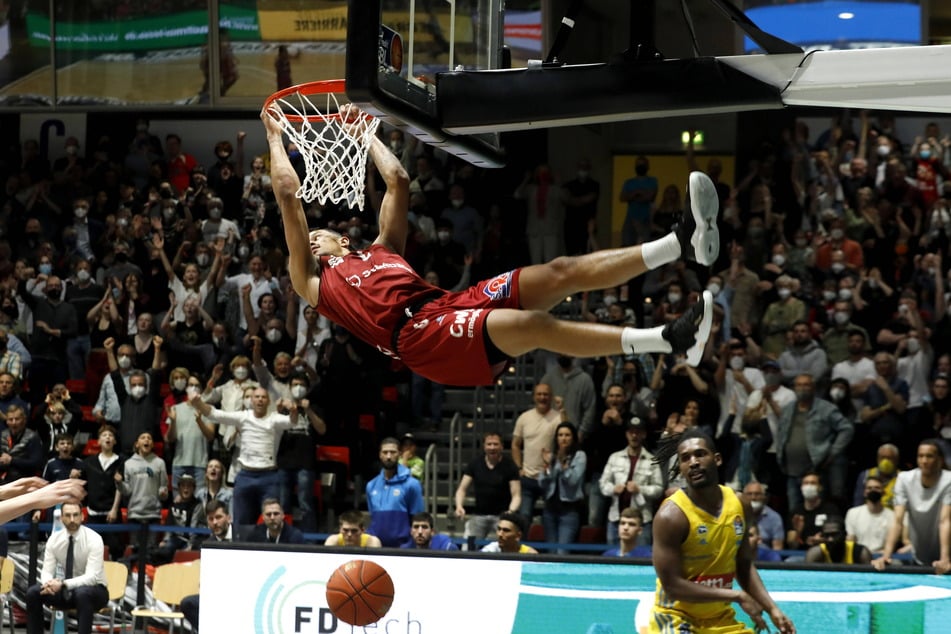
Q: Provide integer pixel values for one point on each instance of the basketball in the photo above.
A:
(360, 592)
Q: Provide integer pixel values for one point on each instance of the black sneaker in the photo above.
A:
(689, 332)
(697, 232)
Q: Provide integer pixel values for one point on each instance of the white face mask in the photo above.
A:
(714, 288)
(779, 259)
(298, 391)
(180, 384)
(809, 491)
(609, 300)
(784, 293)
(273, 335)
(395, 146)
(202, 259)
(828, 295)
(192, 391)
(841, 317)
(214, 213)
(673, 298)
(837, 267)
(125, 362)
(240, 373)
(912, 346)
(443, 236)
(872, 282)
(137, 391)
(82, 275)
(845, 294)
(836, 234)
(123, 222)
(737, 363)
(756, 505)
(247, 403)
(837, 393)
(80, 212)
(884, 150)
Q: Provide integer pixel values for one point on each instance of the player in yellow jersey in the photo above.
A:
(701, 546)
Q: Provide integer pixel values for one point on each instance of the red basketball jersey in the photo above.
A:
(364, 291)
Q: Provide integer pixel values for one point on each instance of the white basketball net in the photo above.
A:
(335, 159)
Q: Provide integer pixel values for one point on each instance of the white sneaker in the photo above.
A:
(698, 233)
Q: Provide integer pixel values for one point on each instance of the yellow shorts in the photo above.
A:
(678, 623)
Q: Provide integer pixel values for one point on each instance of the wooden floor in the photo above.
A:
(172, 78)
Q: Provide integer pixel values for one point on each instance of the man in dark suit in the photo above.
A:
(274, 530)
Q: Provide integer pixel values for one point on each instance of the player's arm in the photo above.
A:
(894, 534)
(749, 580)
(394, 209)
(285, 183)
(943, 565)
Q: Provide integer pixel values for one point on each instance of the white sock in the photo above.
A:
(637, 340)
(661, 251)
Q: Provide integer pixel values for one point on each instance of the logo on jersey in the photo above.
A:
(334, 261)
(463, 323)
(702, 534)
(354, 281)
(738, 526)
(499, 287)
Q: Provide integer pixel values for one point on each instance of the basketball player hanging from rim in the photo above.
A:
(469, 337)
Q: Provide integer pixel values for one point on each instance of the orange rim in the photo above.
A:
(307, 89)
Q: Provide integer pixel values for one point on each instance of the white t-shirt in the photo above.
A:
(923, 509)
(869, 529)
(733, 387)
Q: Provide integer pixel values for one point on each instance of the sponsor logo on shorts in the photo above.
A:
(463, 323)
(499, 287)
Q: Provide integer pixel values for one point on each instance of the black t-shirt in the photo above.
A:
(814, 519)
(492, 490)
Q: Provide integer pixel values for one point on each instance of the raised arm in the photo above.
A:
(394, 208)
(285, 183)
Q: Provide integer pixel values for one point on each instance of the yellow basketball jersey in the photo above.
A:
(708, 555)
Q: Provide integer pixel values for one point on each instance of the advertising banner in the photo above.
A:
(283, 592)
(158, 31)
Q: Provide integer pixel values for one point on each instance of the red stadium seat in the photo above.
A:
(592, 535)
(183, 556)
(536, 533)
(332, 453)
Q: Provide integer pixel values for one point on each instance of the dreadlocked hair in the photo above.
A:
(667, 448)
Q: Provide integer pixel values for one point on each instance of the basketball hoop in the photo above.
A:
(334, 151)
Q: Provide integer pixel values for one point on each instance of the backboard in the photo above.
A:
(397, 48)
(456, 73)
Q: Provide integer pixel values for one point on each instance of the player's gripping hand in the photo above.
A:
(781, 621)
(753, 608)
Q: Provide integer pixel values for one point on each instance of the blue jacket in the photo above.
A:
(828, 432)
(392, 503)
(570, 481)
(438, 542)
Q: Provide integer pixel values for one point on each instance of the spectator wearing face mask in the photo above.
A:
(83, 294)
(217, 226)
(447, 256)
(813, 437)
(139, 406)
(915, 359)
(467, 225)
(837, 338)
(88, 230)
(781, 315)
(190, 434)
(868, 522)
(852, 259)
(735, 380)
(54, 324)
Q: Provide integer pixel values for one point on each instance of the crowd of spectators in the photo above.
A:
(161, 284)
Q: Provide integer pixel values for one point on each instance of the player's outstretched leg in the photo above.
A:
(697, 233)
(689, 332)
